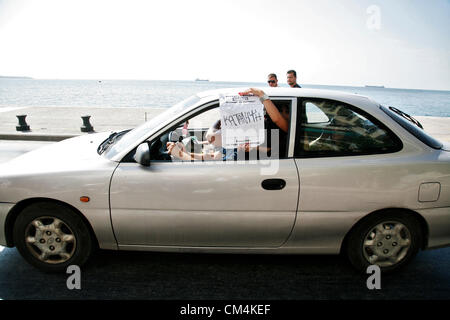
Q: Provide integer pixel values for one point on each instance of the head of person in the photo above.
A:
(214, 135)
(272, 80)
(291, 78)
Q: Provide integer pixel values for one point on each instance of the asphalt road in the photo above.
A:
(138, 275)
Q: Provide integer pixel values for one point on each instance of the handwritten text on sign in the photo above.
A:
(242, 120)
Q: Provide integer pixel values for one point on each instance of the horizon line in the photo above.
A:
(212, 81)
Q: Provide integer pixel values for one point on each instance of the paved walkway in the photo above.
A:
(437, 127)
(57, 123)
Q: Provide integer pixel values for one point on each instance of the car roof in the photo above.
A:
(347, 97)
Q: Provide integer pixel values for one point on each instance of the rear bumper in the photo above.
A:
(438, 220)
(4, 210)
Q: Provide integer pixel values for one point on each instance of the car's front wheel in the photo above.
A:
(51, 237)
(389, 240)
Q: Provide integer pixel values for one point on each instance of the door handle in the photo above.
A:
(273, 184)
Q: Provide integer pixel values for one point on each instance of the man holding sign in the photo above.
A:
(276, 122)
(281, 120)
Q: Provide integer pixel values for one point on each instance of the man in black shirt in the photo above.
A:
(292, 79)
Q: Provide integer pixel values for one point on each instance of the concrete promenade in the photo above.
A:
(58, 123)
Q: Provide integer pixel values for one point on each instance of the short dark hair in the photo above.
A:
(293, 72)
(272, 75)
(217, 125)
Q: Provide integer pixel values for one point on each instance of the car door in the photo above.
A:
(205, 203)
(349, 166)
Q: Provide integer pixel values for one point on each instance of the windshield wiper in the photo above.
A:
(407, 117)
(110, 141)
(104, 145)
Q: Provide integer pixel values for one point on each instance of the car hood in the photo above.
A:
(446, 146)
(63, 171)
(68, 154)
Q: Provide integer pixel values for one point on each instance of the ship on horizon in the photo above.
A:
(367, 86)
(201, 79)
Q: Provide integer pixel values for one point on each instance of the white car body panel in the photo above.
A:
(213, 203)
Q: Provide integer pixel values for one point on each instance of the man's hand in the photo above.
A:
(169, 146)
(175, 149)
(245, 147)
(252, 91)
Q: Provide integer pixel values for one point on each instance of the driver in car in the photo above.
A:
(214, 138)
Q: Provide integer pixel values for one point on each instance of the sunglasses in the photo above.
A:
(270, 81)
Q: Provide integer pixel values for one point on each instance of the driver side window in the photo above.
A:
(190, 137)
(199, 138)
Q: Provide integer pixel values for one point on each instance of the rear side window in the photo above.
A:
(332, 128)
(413, 126)
(315, 114)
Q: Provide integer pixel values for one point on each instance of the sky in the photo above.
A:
(398, 44)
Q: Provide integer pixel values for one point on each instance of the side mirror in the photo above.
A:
(142, 155)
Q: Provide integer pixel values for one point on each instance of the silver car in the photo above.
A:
(353, 177)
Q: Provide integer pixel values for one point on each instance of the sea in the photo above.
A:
(18, 92)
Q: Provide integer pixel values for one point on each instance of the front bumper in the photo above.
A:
(4, 210)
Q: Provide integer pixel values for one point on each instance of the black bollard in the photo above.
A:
(87, 127)
(23, 126)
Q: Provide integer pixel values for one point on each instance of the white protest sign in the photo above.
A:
(242, 121)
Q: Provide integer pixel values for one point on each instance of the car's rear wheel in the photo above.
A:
(51, 237)
(389, 240)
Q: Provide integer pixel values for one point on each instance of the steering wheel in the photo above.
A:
(175, 137)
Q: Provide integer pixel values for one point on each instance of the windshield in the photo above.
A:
(140, 133)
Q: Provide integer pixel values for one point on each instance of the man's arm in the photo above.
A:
(180, 153)
(271, 109)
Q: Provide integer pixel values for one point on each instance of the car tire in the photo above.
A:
(52, 237)
(390, 240)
